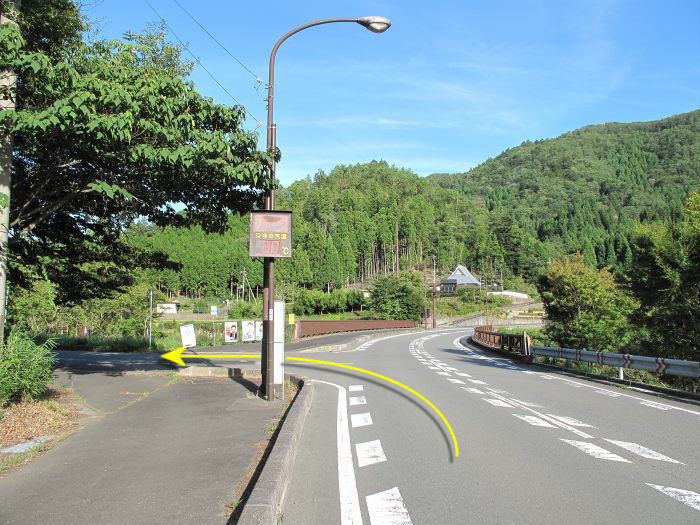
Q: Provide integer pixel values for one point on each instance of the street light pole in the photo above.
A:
(376, 24)
(434, 290)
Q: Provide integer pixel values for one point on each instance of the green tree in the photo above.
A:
(665, 278)
(108, 132)
(585, 307)
(401, 297)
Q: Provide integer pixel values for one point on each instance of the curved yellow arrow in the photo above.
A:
(177, 357)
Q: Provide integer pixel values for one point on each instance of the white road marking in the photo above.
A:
(443, 373)
(526, 403)
(369, 453)
(571, 421)
(451, 369)
(360, 420)
(607, 393)
(497, 402)
(477, 382)
(534, 421)
(642, 451)
(472, 390)
(455, 380)
(500, 391)
(355, 388)
(387, 508)
(463, 374)
(595, 450)
(359, 400)
(434, 367)
(690, 498)
(655, 405)
(543, 416)
(347, 487)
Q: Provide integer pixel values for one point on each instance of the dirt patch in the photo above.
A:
(25, 420)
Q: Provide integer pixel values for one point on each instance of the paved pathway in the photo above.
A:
(153, 453)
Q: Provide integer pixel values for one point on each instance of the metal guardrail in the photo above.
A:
(520, 344)
(510, 342)
(674, 367)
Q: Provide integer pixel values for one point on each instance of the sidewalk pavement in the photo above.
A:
(153, 452)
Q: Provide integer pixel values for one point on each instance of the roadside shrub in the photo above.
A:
(25, 367)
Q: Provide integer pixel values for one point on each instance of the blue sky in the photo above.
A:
(449, 85)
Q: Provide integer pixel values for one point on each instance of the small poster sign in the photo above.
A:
(187, 335)
(248, 328)
(230, 332)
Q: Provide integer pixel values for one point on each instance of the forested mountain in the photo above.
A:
(585, 190)
(351, 225)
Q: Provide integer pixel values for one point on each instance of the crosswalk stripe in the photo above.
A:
(690, 498)
(361, 420)
(387, 508)
(359, 400)
(355, 388)
(369, 453)
(642, 451)
(595, 450)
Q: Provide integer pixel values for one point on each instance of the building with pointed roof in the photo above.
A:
(461, 277)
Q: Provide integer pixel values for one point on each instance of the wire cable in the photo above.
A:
(199, 62)
(255, 75)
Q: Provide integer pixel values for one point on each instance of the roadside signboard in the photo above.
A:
(270, 234)
(291, 318)
(187, 335)
(258, 330)
(214, 310)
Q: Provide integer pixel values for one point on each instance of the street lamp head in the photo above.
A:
(376, 24)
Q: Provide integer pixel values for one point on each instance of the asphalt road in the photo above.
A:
(534, 446)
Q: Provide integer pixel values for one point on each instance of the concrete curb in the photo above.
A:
(265, 500)
(659, 391)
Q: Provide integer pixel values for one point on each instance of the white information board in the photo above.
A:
(278, 345)
(187, 335)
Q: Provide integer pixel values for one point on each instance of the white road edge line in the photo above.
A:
(350, 513)
(461, 346)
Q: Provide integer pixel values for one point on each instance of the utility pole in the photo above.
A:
(434, 322)
(8, 81)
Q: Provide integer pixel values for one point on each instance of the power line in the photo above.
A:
(257, 77)
(199, 62)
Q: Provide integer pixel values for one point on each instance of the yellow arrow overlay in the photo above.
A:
(177, 357)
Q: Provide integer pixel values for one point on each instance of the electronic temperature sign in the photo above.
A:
(270, 234)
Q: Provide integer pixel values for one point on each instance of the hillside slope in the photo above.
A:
(585, 190)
